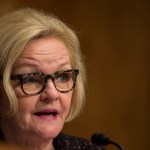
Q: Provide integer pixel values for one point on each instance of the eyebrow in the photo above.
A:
(29, 65)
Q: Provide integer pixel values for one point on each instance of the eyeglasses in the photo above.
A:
(35, 83)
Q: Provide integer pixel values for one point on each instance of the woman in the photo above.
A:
(42, 81)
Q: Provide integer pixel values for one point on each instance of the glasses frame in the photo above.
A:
(52, 76)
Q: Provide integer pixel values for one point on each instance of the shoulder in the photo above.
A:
(67, 142)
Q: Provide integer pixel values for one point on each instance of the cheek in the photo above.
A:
(25, 109)
(26, 104)
(17, 90)
(66, 103)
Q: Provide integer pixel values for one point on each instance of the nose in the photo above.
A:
(50, 93)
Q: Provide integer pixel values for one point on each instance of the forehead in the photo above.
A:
(48, 51)
(45, 45)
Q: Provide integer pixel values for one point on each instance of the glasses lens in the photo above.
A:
(35, 83)
(32, 84)
(64, 81)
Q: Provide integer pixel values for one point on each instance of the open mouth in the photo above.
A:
(46, 113)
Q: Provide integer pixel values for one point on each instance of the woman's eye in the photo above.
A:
(63, 77)
(29, 80)
(32, 79)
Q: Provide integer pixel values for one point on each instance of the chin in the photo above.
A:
(48, 132)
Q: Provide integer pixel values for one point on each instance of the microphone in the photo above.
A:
(102, 140)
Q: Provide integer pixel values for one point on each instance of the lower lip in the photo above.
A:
(47, 117)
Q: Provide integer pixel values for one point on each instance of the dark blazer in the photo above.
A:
(67, 142)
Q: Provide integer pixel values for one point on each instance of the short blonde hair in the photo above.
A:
(20, 27)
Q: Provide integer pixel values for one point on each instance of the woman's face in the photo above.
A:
(43, 114)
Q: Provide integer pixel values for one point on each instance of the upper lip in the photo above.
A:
(46, 112)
